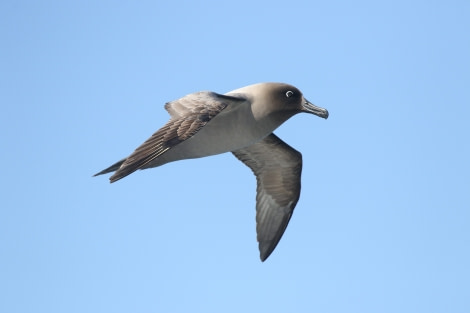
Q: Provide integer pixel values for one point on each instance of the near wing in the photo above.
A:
(277, 168)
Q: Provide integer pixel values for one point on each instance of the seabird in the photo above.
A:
(242, 122)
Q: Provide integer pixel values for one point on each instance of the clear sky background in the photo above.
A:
(382, 224)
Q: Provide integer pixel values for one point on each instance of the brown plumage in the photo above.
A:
(241, 122)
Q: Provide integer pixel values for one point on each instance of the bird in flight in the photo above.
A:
(242, 122)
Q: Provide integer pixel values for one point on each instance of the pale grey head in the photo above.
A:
(278, 99)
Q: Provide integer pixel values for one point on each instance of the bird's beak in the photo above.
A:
(312, 108)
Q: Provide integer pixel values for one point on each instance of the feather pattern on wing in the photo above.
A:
(277, 168)
(188, 115)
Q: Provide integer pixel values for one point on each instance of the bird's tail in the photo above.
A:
(112, 168)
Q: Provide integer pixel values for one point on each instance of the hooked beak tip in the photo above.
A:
(318, 111)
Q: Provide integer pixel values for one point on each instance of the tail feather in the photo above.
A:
(112, 168)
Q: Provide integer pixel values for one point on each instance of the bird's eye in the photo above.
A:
(289, 94)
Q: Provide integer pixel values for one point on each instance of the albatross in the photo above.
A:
(241, 121)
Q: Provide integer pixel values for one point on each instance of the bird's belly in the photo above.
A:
(224, 133)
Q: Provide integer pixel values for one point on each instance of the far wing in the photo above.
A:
(189, 114)
(277, 168)
(192, 103)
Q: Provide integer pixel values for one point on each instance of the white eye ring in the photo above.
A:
(289, 94)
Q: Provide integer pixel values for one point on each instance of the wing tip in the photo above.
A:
(265, 251)
(119, 174)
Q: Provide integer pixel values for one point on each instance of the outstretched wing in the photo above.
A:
(188, 115)
(277, 168)
(193, 103)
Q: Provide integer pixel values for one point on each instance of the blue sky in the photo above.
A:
(382, 224)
